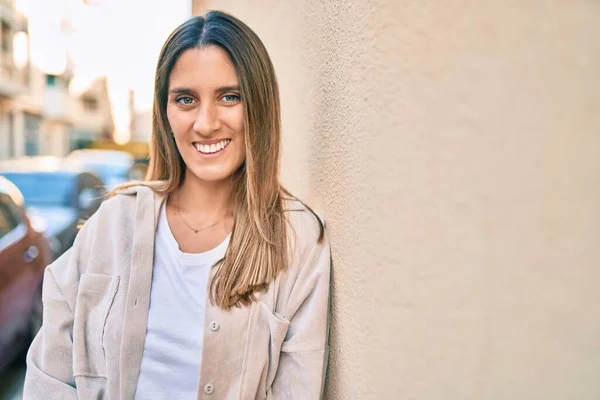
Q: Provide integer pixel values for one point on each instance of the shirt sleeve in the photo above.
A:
(50, 356)
(49, 372)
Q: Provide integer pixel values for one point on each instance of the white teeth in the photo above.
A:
(212, 148)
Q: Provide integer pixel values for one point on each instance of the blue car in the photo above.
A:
(57, 198)
(114, 167)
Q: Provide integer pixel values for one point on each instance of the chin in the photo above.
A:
(211, 175)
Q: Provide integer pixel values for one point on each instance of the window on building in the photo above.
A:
(51, 80)
(11, 134)
(6, 37)
(32, 134)
(90, 103)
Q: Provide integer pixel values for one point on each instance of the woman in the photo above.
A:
(208, 280)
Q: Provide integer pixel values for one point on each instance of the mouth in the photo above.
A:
(214, 148)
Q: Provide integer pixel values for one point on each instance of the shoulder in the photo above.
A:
(132, 189)
(118, 211)
(307, 238)
(124, 197)
(310, 258)
(307, 226)
(105, 239)
(119, 204)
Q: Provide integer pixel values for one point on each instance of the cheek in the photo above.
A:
(177, 127)
(177, 118)
(235, 120)
(171, 114)
(241, 150)
(240, 135)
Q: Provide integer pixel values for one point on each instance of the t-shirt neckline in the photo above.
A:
(211, 255)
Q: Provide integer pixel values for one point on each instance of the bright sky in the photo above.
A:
(117, 38)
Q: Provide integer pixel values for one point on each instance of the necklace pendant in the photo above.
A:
(196, 230)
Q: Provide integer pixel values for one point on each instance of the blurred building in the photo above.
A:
(44, 114)
(35, 106)
(92, 116)
(58, 112)
(143, 126)
(14, 76)
(39, 113)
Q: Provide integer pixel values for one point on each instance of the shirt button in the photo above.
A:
(214, 326)
(209, 388)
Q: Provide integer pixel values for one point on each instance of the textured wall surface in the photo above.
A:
(454, 149)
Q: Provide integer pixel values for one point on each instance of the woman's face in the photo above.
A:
(206, 113)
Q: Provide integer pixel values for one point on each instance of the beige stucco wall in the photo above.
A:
(454, 149)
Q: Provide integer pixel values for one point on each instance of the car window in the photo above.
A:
(9, 215)
(91, 191)
(97, 184)
(12, 228)
(5, 223)
(13, 209)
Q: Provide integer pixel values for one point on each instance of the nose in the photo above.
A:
(207, 119)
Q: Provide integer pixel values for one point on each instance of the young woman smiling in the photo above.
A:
(208, 280)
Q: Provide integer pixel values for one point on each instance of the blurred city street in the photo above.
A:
(74, 124)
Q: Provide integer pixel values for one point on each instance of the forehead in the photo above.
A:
(206, 67)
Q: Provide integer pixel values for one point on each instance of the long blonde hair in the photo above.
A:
(258, 249)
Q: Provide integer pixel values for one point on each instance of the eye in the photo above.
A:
(185, 100)
(231, 98)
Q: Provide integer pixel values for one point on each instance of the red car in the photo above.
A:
(24, 253)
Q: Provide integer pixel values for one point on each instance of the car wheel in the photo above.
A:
(35, 319)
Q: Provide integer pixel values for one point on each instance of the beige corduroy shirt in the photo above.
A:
(96, 300)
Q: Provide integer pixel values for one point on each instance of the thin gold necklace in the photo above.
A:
(188, 225)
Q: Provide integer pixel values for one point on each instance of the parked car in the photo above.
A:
(114, 167)
(57, 197)
(139, 169)
(24, 253)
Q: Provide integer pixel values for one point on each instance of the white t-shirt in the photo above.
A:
(170, 366)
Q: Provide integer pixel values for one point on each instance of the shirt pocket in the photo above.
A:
(275, 328)
(94, 298)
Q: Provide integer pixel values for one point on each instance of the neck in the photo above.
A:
(204, 198)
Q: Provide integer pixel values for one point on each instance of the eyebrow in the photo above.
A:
(183, 90)
(229, 88)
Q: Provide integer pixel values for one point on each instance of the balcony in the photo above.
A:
(13, 80)
(10, 15)
(57, 102)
